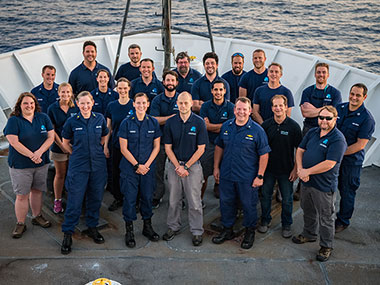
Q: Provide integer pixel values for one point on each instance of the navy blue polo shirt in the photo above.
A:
(283, 140)
(117, 113)
(201, 89)
(163, 106)
(319, 98)
(101, 100)
(154, 88)
(58, 117)
(355, 125)
(217, 114)
(83, 79)
(85, 136)
(242, 147)
(45, 97)
(252, 80)
(32, 135)
(128, 71)
(233, 81)
(185, 137)
(318, 149)
(185, 84)
(263, 96)
(140, 136)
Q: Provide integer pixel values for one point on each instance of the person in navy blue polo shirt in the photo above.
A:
(139, 143)
(357, 125)
(163, 107)
(235, 74)
(201, 90)
(131, 69)
(83, 137)
(284, 136)
(254, 78)
(186, 75)
(116, 112)
(147, 83)
(240, 159)
(318, 158)
(262, 109)
(83, 77)
(30, 134)
(59, 112)
(47, 92)
(185, 141)
(215, 112)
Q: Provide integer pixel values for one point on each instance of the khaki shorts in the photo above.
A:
(55, 156)
(29, 178)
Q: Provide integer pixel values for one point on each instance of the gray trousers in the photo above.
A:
(318, 213)
(191, 186)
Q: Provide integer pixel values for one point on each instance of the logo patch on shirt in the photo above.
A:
(249, 137)
(130, 113)
(266, 79)
(40, 99)
(324, 143)
(193, 129)
(154, 90)
(132, 132)
(43, 129)
(225, 133)
(224, 115)
(78, 129)
(356, 124)
(191, 80)
(150, 132)
(284, 133)
(328, 96)
(98, 127)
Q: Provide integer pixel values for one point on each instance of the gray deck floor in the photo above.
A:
(36, 257)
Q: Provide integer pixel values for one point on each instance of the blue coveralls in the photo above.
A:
(86, 173)
(140, 136)
(243, 147)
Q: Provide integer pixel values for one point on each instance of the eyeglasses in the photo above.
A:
(324, 117)
(238, 54)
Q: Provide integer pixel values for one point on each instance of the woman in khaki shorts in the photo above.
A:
(59, 112)
(30, 134)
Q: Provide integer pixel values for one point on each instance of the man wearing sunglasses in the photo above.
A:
(318, 158)
(357, 125)
(235, 74)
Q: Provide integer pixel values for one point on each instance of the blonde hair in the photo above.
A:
(65, 84)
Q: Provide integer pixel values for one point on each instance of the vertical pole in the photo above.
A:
(121, 37)
(208, 25)
(167, 33)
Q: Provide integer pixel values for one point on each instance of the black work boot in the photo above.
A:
(249, 238)
(149, 232)
(226, 234)
(66, 243)
(129, 236)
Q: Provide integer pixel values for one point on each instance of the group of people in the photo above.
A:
(236, 127)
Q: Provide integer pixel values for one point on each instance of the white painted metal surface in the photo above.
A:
(21, 69)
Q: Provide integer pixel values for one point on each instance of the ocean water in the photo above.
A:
(347, 31)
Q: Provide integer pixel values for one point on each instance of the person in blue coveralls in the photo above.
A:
(240, 160)
(254, 78)
(185, 141)
(163, 107)
(215, 112)
(262, 107)
(30, 134)
(83, 77)
(235, 74)
(186, 75)
(59, 112)
(357, 125)
(318, 158)
(139, 143)
(116, 112)
(47, 92)
(201, 90)
(131, 69)
(83, 137)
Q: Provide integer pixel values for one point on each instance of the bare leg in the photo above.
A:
(35, 202)
(59, 178)
(21, 207)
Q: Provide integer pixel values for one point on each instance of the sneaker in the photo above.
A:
(324, 253)
(116, 204)
(263, 227)
(339, 228)
(286, 232)
(169, 235)
(19, 229)
(58, 206)
(41, 221)
(156, 203)
(197, 240)
(300, 239)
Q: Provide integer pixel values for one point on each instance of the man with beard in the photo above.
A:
(201, 90)
(163, 107)
(131, 70)
(318, 158)
(186, 75)
(83, 77)
(235, 74)
(254, 78)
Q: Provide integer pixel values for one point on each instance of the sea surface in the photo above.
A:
(347, 31)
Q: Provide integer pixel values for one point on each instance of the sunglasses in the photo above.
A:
(327, 118)
(238, 54)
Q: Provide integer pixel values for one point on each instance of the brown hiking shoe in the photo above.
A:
(19, 229)
(41, 221)
(301, 239)
(324, 253)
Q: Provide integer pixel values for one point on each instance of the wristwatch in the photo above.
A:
(185, 166)
(260, 176)
(136, 166)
